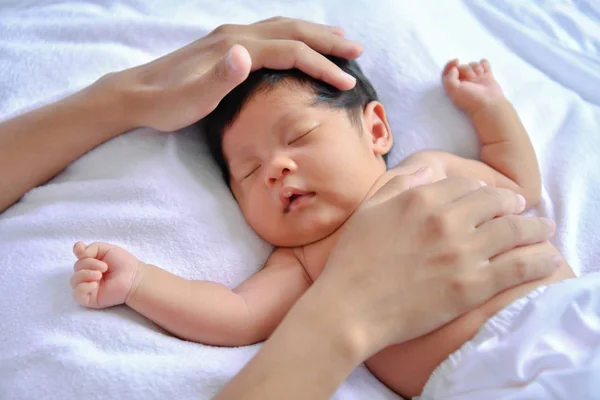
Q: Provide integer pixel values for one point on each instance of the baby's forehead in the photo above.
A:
(278, 106)
(284, 95)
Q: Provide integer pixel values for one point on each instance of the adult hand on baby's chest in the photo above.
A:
(315, 255)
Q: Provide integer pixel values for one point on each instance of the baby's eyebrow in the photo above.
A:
(290, 119)
(241, 157)
(243, 151)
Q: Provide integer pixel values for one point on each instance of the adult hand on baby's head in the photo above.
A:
(410, 261)
(182, 87)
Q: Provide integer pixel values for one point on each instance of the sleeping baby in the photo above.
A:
(300, 157)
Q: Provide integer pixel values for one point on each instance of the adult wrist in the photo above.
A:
(336, 320)
(115, 103)
(308, 356)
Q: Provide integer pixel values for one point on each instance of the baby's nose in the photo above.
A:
(279, 169)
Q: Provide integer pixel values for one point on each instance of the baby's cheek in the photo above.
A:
(257, 220)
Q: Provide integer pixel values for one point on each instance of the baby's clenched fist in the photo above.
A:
(103, 274)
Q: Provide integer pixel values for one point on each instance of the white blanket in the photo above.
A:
(158, 194)
(545, 345)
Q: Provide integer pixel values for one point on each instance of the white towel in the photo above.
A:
(159, 196)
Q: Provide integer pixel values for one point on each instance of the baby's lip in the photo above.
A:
(288, 194)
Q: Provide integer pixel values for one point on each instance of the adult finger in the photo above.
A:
(502, 234)
(231, 70)
(508, 271)
(271, 19)
(448, 190)
(318, 37)
(85, 275)
(90, 263)
(334, 29)
(486, 203)
(288, 54)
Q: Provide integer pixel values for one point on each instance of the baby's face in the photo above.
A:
(298, 171)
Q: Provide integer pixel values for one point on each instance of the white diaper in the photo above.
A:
(545, 345)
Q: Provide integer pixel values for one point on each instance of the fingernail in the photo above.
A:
(348, 78)
(551, 225)
(229, 61)
(522, 201)
(482, 183)
(557, 260)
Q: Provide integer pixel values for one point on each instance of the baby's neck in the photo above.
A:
(379, 183)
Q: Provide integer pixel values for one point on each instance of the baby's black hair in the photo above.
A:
(213, 126)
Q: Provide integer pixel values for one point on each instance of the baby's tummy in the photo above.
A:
(406, 367)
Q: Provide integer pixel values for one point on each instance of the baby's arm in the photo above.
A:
(507, 155)
(200, 311)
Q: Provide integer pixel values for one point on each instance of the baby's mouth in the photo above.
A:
(297, 200)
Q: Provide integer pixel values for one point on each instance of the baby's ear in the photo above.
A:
(378, 128)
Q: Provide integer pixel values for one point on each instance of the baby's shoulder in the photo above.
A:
(427, 158)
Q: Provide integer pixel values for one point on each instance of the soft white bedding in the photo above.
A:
(159, 196)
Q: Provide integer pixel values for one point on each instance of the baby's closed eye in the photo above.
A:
(251, 171)
(302, 135)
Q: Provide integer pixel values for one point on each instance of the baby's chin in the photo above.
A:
(297, 237)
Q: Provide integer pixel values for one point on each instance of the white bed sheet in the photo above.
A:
(158, 194)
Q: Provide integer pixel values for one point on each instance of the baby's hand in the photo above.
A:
(471, 86)
(103, 275)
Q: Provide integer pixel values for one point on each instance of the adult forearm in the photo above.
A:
(37, 145)
(308, 356)
(506, 147)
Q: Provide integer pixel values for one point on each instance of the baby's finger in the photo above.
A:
(90, 263)
(85, 275)
(466, 72)
(79, 250)
(86, 294)
(96, 250)
(449, 66)
(486, 65)
(476, 67)
(450, 80)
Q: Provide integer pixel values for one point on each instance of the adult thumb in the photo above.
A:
(231, 70)
(402, 183)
